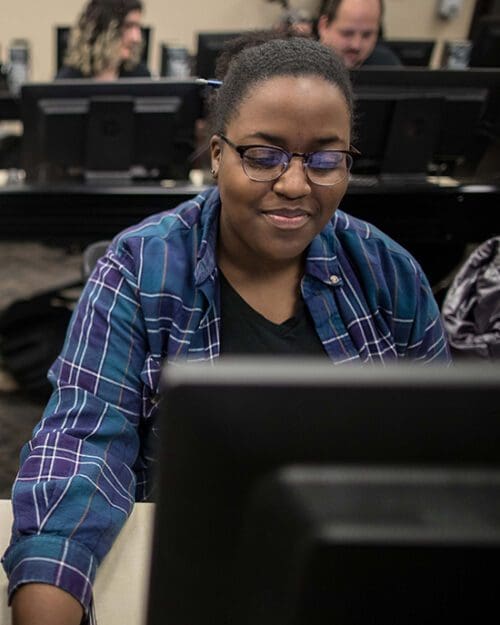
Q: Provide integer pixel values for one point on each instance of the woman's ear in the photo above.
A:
(215, 154)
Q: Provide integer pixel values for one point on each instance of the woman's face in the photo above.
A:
(131, 40)
(269, 222)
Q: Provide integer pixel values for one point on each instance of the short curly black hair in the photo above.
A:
(295, 56)
(250, 38)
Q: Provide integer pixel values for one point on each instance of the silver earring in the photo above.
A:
(213, 172)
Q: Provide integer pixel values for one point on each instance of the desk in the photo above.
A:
(10, 106)
(433, 220)
(120, 590)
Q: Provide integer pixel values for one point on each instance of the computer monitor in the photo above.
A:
(61, 44)
(292, 491)
(417, 121)
(175, 61)
(210, 45)
(412, 52)
(134, 128)
(486, 42)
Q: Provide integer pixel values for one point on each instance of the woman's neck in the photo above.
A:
(272, 290)
(108, 74)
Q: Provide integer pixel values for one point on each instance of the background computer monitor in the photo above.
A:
(175, 62)
(292, 491)
(420, 121)
(127, 128)
(210, 44)
(486, 42)
(412, 52)
(61, 44)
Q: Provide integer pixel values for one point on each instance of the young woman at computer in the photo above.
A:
(263, 262)
(106, 42)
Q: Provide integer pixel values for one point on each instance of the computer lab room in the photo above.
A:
(249, 312)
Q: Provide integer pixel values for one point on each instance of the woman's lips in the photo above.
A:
(286, 219)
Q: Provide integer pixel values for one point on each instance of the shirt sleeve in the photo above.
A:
(76, 485)
(427, 341)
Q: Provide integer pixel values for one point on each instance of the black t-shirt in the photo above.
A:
(245, 331)
(139, 71)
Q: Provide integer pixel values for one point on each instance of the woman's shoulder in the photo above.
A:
(177, 228)
(364, 241)
(352, 229)
(66, 71)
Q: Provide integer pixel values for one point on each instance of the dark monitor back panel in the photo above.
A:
(486, 42)
(61, 44)
(417, 120)
(210, 45)
(366, 545)
(116, 126)
(228, 428)
(412, 52)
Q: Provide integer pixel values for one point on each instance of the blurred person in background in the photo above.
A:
(106, 42)
(352, 28)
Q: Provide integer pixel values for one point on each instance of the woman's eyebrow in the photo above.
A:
(277, 140)
(264, 136)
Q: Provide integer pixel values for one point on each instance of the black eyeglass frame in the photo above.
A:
(241, 149)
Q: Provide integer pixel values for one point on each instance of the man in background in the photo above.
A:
(352, 28)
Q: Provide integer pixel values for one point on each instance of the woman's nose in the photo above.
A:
(293, 182)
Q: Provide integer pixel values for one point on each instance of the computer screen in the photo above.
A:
(486, 42)
(412, 52)
(422, 121)
(61, 44)
(292, 491)
(134, 128)
(210, 44)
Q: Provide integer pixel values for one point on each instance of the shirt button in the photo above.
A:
(334, 279)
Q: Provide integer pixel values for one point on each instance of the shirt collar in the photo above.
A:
(207, 240)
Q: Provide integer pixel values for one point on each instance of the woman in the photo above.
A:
(106, 43)
(262, 263)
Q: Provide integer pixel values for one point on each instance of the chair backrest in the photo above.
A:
(91, 255)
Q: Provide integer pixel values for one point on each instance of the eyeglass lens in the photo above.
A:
(325, 167)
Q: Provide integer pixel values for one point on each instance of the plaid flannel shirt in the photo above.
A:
(153, 298)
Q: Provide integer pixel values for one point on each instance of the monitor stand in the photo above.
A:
(110, 142)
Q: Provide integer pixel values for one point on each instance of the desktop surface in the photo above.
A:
(434, 219)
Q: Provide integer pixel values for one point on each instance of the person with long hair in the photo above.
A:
(106, 42)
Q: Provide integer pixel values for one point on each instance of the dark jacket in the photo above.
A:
(382, 55)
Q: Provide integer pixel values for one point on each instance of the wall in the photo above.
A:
(418, 19)
(177, 22)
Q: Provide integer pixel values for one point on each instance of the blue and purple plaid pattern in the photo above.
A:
(155, 298)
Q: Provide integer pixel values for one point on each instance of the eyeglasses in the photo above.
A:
(263, 163)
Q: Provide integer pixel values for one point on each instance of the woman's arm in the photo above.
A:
(76, 486)
(41, 604)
